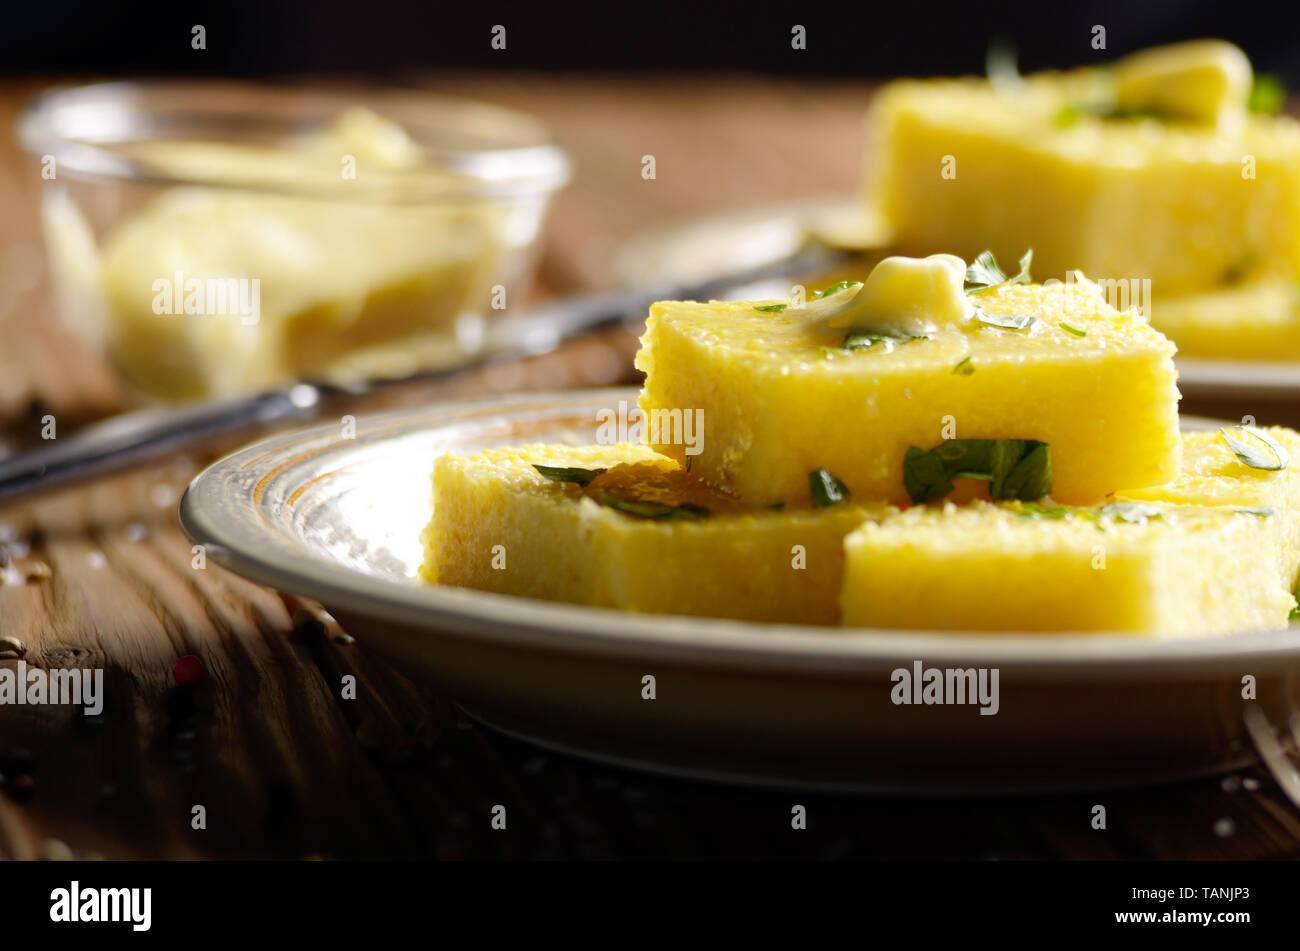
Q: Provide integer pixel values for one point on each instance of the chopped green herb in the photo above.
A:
(1072, 330)
(1115, 113)
(826, 489)
(965, 367)
(1006, 321)
(566, 474)
(654, 510)
(1067, 115)
(985, 273)
(1272, 459)
(771, 308)
(860, 340)
(1033, 509)
(775, 506)
(1240, 269)
(1132, 512)
(834, 289)
(1013, 468)
(1267, 95)
(689, 459)
(865, 339)
(1263, 511)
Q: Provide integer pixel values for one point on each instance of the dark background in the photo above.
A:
(387, 38)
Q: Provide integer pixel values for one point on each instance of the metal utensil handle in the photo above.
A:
(132, 438)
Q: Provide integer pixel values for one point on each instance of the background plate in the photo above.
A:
(337, 520)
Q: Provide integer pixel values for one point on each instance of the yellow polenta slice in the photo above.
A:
(1150, 170)
(634, 537)
(781, 397)
(1157, 569)
(1252, 320)
(1214, 474)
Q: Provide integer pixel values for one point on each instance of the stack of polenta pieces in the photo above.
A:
(1167, 164)
(940, 447)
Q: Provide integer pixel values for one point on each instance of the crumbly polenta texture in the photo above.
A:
(498, 525)
(1000, 568)
(1212, 475)
(780, 399)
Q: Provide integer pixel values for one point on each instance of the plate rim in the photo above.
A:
(537, 624)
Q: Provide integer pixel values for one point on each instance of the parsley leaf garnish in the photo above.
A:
(985, 273)
(1272, 459)
(568, 474)
(834, 289)
(1134, 513)
(1267, 95)
(1013, 468)
(1072, 330)
(771, 308)
(865, 339)
(1006, 321)
(1034, 510)
(654, 510)
(964, 368)
(1263, 511)
(826, 489)
(1067, 115)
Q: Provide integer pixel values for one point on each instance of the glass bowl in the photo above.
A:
(213, 238)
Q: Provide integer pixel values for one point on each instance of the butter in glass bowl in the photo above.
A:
(214, 238)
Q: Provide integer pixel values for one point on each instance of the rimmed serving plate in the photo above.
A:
(337, 520)
(745, 240)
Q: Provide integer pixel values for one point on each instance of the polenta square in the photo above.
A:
(1244, 468)
(788, 389)
(1152, 167)
(1254, 319)
(1142, 568)
(624, 527)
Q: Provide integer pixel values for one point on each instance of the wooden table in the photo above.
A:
(100, 577)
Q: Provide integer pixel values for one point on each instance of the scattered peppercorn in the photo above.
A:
(188, 670)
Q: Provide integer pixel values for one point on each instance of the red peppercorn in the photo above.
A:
(188, 670)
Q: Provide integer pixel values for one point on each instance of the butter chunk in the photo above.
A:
(209, 291)
(902, 295)
(782, 397)
(1198, 81)
(499, 525)
(1162, 570)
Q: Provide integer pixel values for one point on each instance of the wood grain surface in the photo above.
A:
(100, 576)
